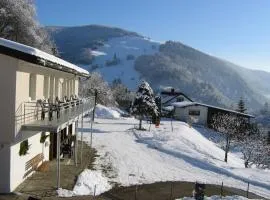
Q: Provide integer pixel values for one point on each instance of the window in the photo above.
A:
(32, 86)
(194, 112)
(180, 99)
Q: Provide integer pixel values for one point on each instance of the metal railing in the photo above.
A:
(40, 110)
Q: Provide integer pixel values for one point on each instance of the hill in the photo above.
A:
(126, 55)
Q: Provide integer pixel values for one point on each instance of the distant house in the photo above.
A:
(169, 95)
(39, 102)
(186, 110)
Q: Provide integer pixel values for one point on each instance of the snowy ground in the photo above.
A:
(129, 157)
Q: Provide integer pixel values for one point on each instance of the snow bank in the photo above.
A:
(216, 197)
(122, 112)
(89, 183)
(104, 112)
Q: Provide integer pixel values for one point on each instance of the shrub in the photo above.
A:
(24, 147)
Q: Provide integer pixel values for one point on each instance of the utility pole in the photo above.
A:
(95, 103)
(93, 117)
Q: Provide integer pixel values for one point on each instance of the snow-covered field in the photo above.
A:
(184, 154)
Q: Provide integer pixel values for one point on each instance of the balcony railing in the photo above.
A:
(42, 113)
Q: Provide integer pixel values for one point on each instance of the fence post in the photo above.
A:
(171, 195)
(95, 190)
(82, 135)
(136, 188)
(247, 189)
(221, 189)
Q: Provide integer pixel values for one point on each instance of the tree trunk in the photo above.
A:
(227, 149)
(226, 156)
(246, 164)
(140, 124)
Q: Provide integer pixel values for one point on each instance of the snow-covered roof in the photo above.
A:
(41, 55)
(168, 108)
(183, 104)
(188, 103)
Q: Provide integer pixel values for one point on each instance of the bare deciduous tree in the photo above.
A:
(18, 23)
(230, 126)
(96, 82)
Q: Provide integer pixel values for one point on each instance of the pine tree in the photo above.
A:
(241, 106)
(144, 103)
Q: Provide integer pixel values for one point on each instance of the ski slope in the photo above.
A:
(184, 154)
(122, 47)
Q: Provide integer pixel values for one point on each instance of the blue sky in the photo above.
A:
(235, 30)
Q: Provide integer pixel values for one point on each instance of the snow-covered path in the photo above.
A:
(136, 157)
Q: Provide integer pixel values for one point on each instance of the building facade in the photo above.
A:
(201, 114)
(31, 82)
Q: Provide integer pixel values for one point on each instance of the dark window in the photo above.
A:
(180, 99)
(194, 112)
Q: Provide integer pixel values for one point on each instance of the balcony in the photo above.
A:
(48, 117)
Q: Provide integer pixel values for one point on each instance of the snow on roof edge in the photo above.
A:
(41, 54)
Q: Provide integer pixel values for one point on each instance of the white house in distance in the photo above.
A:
(28, 77)
(185, 109)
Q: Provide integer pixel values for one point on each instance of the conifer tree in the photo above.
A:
(241, 106)
(144, 103)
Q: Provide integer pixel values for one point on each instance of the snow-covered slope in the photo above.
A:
(137, 157)
(126, 49)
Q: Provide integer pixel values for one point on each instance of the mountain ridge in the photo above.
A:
(118, 53)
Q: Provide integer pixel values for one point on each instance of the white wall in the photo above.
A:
(39, 86)
(8, 66)
(5, 169)
(17, 168)
(183, 114)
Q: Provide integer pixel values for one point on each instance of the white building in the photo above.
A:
(28, 75)
(199, 113)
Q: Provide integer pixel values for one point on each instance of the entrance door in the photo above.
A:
(53, 145)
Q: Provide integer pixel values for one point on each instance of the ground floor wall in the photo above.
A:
(186, 114)
(5, 168)
(18, 170)
(13, 170)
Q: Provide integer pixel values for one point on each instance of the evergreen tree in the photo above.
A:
(144, 103)
(241, 106)
(265, 109)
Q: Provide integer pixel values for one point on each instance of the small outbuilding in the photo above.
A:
(200, 113)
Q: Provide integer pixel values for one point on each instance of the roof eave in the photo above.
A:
(37, 60)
